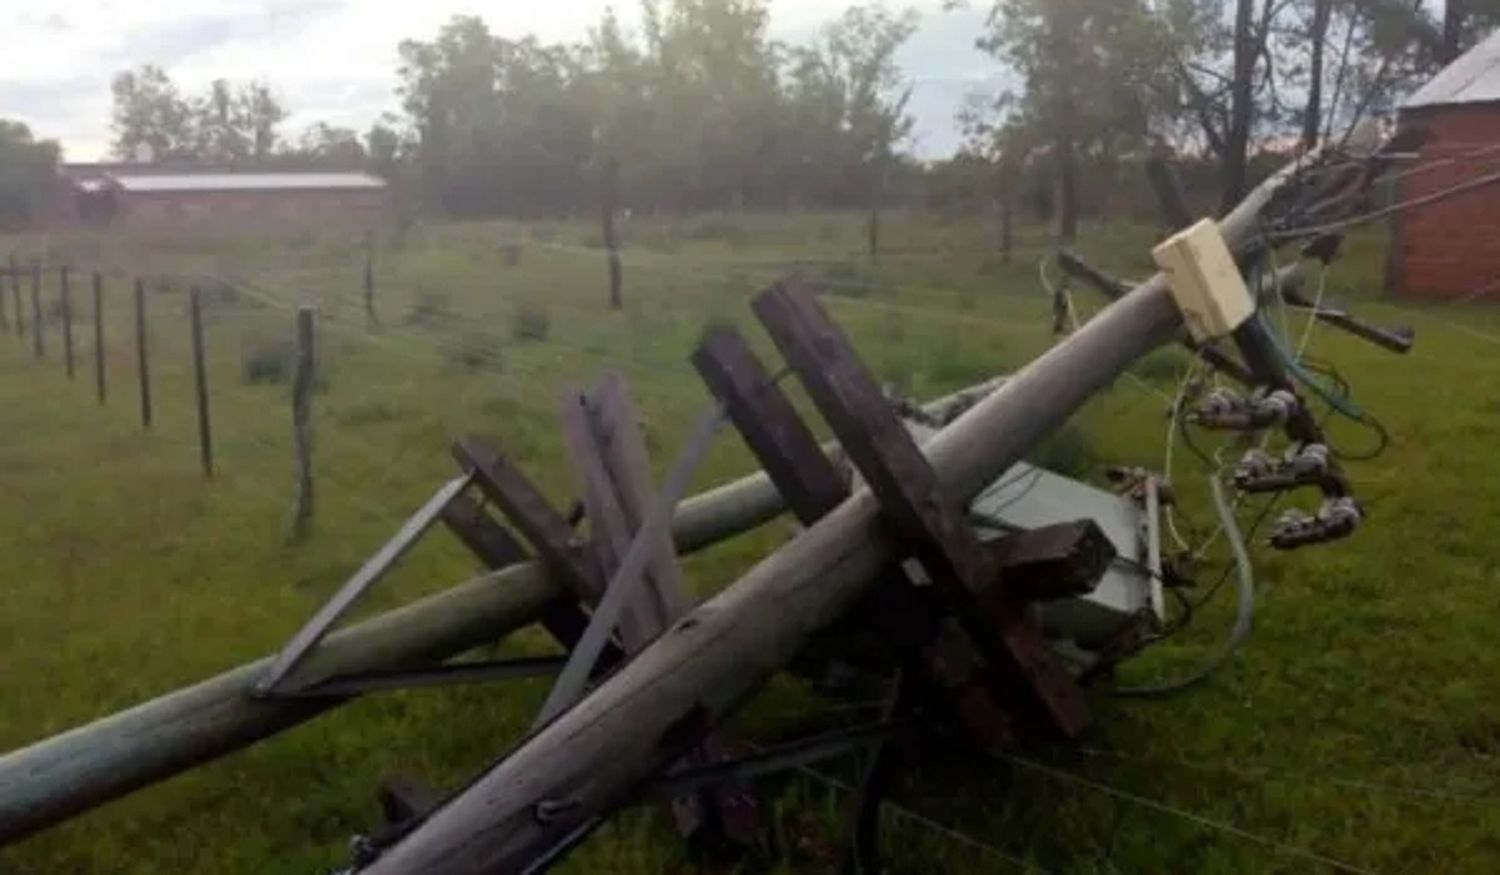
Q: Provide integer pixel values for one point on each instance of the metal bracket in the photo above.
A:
(274, 682)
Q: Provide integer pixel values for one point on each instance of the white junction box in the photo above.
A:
(1206, 283)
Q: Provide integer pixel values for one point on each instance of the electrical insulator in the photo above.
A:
(1303, 465)
(1225, 410)
(1337, 518)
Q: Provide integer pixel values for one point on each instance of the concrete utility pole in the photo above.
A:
(65, 775)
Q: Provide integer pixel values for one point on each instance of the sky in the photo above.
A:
(335, 60)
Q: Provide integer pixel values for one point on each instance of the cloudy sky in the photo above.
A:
(335, 60)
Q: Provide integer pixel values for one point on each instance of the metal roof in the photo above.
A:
(1473, 78)
(187, 182)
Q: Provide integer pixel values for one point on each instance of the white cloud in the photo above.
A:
(335, 60)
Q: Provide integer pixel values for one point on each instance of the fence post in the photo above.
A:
(15, 293)
(38, 348)
(99, 375)
(302, 436)
(66, 300)
(4, 315)
(370, 315)
(200, 381)
(142, 359)
(608, 202)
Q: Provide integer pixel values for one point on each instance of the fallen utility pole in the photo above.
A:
(557, 783)
(59, 777)
(67, 774)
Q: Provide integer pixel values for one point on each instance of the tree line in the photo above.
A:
(702, 110)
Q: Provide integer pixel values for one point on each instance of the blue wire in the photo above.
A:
(1339, 402)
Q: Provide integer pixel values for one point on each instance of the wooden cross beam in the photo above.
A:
(608, 455)
(559, 548)
(933, 525)
(1060, 561)
(780, 440)
(813, 487)
(497, 548)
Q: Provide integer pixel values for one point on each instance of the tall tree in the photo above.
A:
(260, 111)
(861, 56)
(1317, 40)
(219, 126)
(1089, 74)
(150, 112)
(28, 173)
(330, 145)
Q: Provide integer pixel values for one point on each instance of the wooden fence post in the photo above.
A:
(142, 359)
(4, 315)
(200, 382)
(608, 205)
(38, 349)
(15, 293)
(302, 436)
(370, 316)
(65, 299)
(99, 365)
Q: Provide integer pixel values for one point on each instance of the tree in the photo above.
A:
(28, 173)
(861, 60)
(260, 111)
(1090, 75)
(226, 124)
(385, 148)
(326, 144)
(219, 126)
(149, 111)
(1317, 39)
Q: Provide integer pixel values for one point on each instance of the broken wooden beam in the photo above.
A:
(510, 490)
(497, 548)
(1060, 561)
(932, 523)
(770, 426)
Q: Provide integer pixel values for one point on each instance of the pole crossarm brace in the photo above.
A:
(296, 650)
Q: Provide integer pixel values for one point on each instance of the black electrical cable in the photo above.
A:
(1187, 440)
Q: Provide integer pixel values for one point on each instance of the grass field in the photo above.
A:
(1358, 731)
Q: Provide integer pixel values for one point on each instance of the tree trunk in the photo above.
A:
(1007, 233)
(1232, 167)
(1312, 116)
(872, 220)
(1067, 182)
(1454, 18)
(609, 196)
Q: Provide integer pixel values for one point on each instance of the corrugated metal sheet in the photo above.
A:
(188, 182)
(1473, 78)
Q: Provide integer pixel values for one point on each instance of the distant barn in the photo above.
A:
(1451, 248)
(154, 197)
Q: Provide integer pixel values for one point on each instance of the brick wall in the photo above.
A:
(1450, 249)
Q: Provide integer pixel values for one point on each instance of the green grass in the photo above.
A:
(1361, 724)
